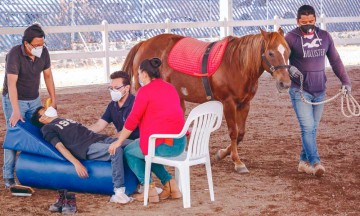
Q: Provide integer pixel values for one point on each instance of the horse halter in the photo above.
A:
(272, 67)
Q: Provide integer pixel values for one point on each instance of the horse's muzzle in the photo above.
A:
(282, 86)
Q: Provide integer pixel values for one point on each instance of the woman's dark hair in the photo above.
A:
(36, 116)
(33, 31)
(121, 74)
(151, 67)
(305, 10)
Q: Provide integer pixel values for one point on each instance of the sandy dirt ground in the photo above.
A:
(270, 150)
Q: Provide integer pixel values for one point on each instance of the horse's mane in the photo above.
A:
(128, 63)
(244, 52)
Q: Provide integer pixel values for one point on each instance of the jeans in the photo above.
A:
(99, 151)
(136, 159)
(309, 118)
(27, 108)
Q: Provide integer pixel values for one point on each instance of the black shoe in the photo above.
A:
(9, 182)
(57, 206)
(69, 205)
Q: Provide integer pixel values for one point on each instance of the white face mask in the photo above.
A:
(140, 82)
(51, 112)
(36, 51)
(116, 95)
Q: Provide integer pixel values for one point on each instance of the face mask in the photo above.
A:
(37, 51)
(308, 29)
(116, 95)
(51, 112)
(140, 82)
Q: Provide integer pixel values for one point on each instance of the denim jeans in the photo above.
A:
(99, 151)
(136, 159)
(27, 108)
(309, 118)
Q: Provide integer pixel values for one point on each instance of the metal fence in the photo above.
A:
(21, 13)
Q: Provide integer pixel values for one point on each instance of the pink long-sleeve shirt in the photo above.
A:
(156, 110)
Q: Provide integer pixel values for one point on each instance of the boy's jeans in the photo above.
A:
(100, 151)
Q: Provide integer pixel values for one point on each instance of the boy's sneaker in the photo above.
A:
(305, 167)
(120, 196)
(141, 189)
(319, 170)
(69, 204)
(57, 206)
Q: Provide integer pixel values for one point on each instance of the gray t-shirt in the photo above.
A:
(28, 71)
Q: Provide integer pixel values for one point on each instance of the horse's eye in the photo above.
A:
(271, 54)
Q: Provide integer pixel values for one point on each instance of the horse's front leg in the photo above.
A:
(230, 112)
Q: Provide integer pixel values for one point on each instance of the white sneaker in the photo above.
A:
(305, 167)
(141, 189)
(120, 196)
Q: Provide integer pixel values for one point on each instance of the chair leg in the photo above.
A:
(147, 180)
(210, 180)
(185, 185)
(178, 178)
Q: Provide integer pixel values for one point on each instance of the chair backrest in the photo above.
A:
(203, 119)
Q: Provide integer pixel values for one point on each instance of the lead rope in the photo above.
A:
(354, 109)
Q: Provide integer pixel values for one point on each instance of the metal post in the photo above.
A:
(167, 21)
(276, 23)
(226, 15)
(72, 21)
(322, 22)
(105, 42)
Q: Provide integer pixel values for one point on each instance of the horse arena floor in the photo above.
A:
(270, 150)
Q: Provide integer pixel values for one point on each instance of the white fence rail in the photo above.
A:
(105, 28)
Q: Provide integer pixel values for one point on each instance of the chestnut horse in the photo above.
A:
(234, 83)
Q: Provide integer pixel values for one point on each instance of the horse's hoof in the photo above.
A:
(241, 169)
(218, 156)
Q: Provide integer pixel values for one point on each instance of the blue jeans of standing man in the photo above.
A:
(27, 108)
(100, 151)
(309, 118)
(136, 159)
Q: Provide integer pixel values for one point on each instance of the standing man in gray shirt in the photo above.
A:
(20, 95)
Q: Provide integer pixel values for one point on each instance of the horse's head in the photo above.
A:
(275, 54)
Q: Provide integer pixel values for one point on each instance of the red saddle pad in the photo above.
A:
(187, 54)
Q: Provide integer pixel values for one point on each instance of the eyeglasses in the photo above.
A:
(38, 46)
(115, 88)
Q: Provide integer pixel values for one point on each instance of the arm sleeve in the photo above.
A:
(12, 63)
(50, 134)
(47, 59)
(336, 63)
(107, 114)
(138, 110)
(289, 41)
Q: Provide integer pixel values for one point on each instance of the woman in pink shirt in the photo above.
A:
(156, 110)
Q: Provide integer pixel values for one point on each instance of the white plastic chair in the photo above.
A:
(204, 119)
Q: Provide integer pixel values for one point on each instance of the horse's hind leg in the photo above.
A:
(241, 116)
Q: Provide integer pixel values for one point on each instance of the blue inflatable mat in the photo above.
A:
(41, 165)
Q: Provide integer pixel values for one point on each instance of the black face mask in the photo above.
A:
(308, 29)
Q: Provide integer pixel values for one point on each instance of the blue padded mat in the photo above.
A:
(43, 172)
(28, 138)
(41, 165)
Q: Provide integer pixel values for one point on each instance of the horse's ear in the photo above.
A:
(264, 33)
(280, 31)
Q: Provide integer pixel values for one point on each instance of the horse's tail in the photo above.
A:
(128, 63)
